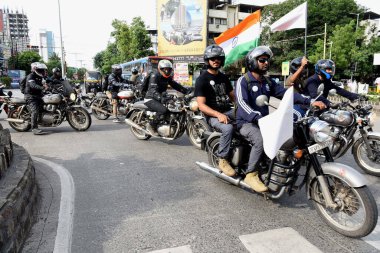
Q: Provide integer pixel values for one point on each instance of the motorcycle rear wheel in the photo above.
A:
(136, 132)
(79, 119)
(357, 213)
(20, 127)
(212, 152)
(99, 115)
(370, 166)
(195, 131)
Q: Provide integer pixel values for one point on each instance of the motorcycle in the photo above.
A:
(346, 121)
(84, 100)
(57, 107)
(183, 116)
(102, 108)
(5, 102)
(338, 192)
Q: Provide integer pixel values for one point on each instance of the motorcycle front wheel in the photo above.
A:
(24, 115)
(79, 119)
(356, 214)
(104, 105)
(370, 165)
(136, 132)
(195, 131)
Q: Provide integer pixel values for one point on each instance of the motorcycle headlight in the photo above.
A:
(193, 105)
(371, 119)
(320, 131)
(73, 96)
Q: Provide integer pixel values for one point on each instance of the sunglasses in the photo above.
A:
(263, 60)
(215, 58)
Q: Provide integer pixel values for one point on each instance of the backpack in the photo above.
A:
(105, 83)
(23, 85)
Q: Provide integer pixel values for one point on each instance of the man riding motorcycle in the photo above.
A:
(35, 85)
(115, 83)
(248, 88)
(156, 84)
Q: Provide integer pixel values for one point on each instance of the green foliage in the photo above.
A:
(23, 60)
(6, 80)
(129, 42)
(53, 62)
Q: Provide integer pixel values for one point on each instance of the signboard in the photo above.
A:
(181, 72)
(376, 59)
(285, 68)
(181, 27)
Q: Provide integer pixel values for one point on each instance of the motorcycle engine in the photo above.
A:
(164, 131)
(49, 119)
(50, 107)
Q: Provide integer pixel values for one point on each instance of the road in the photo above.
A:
(143, 196)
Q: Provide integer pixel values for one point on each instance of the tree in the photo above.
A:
(140, 41)
(54, 62)
(23, 60)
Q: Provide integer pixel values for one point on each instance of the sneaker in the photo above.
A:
(37, 131)
(151, 130)
(226, 168)
(253, 180)
(116, 120)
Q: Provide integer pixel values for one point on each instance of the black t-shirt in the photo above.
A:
(216, 90)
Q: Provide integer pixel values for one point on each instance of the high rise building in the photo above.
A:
(46, 44)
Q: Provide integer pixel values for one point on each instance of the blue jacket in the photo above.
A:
(248, 111)
(313, 83)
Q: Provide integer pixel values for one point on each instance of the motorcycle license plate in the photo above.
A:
(319, 146)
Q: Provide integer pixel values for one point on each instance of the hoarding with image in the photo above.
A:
(181, 27)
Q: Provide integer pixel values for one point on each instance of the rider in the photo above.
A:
(156, 84)
(324, 71)
(214, 94)
(135, 75)
(56, 79)
(35, 84)
(115, 83)
(298, 74)
(248, 88)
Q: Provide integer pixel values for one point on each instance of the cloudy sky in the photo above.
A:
(86, 25)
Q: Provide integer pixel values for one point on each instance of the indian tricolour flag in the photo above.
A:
(238, 40)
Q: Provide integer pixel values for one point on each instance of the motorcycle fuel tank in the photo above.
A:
(338, 117)
(126, 94)
(52, 99)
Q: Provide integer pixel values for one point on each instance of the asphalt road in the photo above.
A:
(141, 196)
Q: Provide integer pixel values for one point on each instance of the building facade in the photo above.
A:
(46, 44)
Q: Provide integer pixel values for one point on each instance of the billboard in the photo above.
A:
(181, 27)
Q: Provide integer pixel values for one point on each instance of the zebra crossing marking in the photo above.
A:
(278, 241)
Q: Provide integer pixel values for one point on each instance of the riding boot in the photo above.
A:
(252, 179)
(226, 168)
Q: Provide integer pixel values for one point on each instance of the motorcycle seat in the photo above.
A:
(18, 100)
(140, 105)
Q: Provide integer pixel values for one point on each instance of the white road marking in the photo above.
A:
(66, 211)
(182, 249)
(374, 239)
(278, 241)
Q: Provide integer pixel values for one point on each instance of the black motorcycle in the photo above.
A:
(339, 193)
(59, 105)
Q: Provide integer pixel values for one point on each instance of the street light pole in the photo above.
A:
(331, 43)
(62, 52)
(356, 29)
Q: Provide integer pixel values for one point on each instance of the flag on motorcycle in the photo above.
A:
(240, 39)
(277, 127)
(294, 19)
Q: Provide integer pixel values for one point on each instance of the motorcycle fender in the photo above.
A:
(354, 147)
(210, 138)
(344, 172)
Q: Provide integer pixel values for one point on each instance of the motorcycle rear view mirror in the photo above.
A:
(9, 93)
(262, 100)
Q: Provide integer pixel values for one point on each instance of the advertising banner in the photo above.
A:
(181, 27)
(181, 72)
(285, 68)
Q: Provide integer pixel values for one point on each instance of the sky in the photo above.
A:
(86, 25)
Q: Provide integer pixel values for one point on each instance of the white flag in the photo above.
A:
(277, 127)
(294, 19)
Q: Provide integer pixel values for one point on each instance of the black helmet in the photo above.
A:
(214, 51)
(165, 67)
(322, 65)
(55, 70)
(134, 71)
(295, 64)
(251, 57)
(117, 69)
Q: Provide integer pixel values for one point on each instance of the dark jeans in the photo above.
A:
(251, 132)
(226, 130)
(157, 107)
(35, 106)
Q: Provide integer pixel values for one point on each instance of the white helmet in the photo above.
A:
(165, 67)
(40, 69)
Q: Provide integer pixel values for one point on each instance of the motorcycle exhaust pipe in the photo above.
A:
(100, 110)
(15, 120)
(235, 181)
(134, 125)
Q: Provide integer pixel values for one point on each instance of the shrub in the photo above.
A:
(6, 80)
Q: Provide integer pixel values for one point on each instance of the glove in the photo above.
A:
(363, 98)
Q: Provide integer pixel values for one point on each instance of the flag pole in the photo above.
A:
(305, 30)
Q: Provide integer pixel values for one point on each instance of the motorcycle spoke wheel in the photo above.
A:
(79, 119)
(20, 127)
(370, 165)
(212, 152)
(356, 214)
(104, 106)
(195, 132)
(141, 135)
